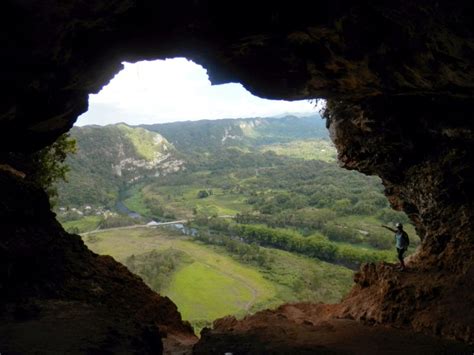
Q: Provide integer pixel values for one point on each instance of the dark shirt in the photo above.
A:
(401, 239)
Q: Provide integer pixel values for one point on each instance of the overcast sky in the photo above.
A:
(176, 90)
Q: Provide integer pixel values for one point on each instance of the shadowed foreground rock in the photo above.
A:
(311, 329)
(58, 297)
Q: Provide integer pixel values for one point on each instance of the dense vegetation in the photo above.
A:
(107, 160)
(266, 195)
(48, 167)
(315, 245)
(310, 207)
(205, 136)
(156, 266)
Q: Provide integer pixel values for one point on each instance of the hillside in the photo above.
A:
(112, 157)
(207, 136)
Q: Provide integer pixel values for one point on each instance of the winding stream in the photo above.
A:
(120, 207)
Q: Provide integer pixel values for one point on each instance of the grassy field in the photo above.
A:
(183, 201)
(300, 278)
(204, 292)
(85, 224)
(215, 284)
(309, 149)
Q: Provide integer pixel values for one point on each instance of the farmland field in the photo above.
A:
(213, 284)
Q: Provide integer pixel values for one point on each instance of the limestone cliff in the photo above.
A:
(422, 148)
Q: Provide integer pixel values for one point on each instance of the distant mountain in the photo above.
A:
(295, 114)
(112, 157)
(211, 135)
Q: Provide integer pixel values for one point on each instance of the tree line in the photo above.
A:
(315, 245)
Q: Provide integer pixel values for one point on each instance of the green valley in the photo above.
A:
(207, 282)
(270, 216)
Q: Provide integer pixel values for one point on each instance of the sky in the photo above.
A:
(177, 90)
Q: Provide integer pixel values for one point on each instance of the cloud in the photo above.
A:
(176, 90)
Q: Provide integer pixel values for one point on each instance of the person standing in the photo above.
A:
(401, 242)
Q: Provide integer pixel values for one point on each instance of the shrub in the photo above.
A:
(203, 194)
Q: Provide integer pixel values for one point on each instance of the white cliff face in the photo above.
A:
(227, 135)
(158, 167)
(159, 140)
(117, 169)
(250, 124)
(163, 162)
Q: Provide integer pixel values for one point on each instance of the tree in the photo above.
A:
(342, 206)
(47, 166)
(202, 194)
(388, 215)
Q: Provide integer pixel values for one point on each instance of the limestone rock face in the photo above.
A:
(400, 83)
(423, 149)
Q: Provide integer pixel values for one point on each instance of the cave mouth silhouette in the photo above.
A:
(177, 89)
(132, 84)
(398, 80)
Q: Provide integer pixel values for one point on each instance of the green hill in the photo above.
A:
(112, 157)
(208, 136)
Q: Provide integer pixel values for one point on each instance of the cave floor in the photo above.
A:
(287, 331)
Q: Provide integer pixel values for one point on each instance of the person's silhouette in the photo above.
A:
(401, 242)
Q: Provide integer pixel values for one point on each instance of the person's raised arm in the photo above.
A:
(390, 229)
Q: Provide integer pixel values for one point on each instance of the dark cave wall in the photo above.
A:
(422, 148)
(400, 83)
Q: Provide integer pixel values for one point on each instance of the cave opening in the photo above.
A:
(226, 203)
(397, 77)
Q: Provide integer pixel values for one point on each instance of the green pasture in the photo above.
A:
(308, 149)
(204, 292)
(183, 200)
(300, 278)
(85, 224)
(215, 284)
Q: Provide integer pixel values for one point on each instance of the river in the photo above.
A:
(120, 207)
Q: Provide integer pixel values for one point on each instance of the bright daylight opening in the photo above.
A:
(225, 202)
